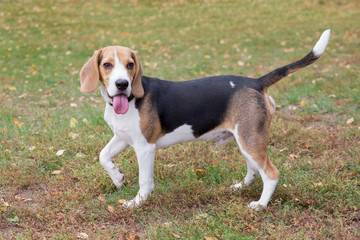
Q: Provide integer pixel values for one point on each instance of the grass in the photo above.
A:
(314, 141)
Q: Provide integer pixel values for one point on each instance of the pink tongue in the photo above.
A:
(120, 104)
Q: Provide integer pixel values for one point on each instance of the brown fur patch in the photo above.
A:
(149, 121)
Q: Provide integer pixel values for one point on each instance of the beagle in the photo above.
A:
(148, 113)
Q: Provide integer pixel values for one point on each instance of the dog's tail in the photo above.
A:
(274, 76)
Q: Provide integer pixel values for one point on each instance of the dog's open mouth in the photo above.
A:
(120, 103)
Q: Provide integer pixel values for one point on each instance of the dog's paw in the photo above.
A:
(136, 202)
(130, 204)
(237, 187)
(119, 181)
(256, 206)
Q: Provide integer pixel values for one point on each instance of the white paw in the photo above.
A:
(136, 202)
(238, 186)
(256, 206)
(130, 204)
(119, 180)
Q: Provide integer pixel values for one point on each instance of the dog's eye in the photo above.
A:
(130, 66)
(107, 66)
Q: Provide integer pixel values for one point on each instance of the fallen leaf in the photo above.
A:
(18, 198)
(167, 224)
(307, 145)
(240, 63)
(350, 121)
(319, 185)
(80, 155)
(132, 236)
(199, 171)
(73, 122)
(210, 238)
(303, 103)
(207, 56)
(283, 43)
(101, 198)
(17, 123)
(22, 95)
(201, 216)
(110, 208)
(83, 235)
(56, 172)
(176, 235)
(122, 201)
(73, 135)
(60, 152)
(284, 149)
(4, 129)
(293, 156)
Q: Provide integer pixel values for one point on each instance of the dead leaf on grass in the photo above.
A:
(83, 235)
(294, 156)
(101, 198)
(167, 224)
(110, 208)
(284, 149)
(210, 238)
(17, 123)
(176, 235)
(18, 198)
(350, 121)
(60, 152)
(199, 171)
(73, 122)
(56, 172)
(319, 185)
(201, 216)
(122, 201)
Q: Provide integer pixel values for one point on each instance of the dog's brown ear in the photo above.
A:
(136, 87)
(89, 74)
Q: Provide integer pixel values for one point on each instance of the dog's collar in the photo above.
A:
(131, 97)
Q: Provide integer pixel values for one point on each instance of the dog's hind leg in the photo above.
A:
(254, 151)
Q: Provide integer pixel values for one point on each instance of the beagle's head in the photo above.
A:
(119, 71)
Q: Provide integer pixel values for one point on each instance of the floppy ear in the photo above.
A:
(136, 87)
(89, 74)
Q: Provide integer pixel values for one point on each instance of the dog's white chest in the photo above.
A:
(126, 126)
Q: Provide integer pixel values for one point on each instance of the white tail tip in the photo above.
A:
(322, 43)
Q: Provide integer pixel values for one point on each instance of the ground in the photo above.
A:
(51, 183)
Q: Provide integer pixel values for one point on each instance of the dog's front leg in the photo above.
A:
(145, 156)
(114, 147)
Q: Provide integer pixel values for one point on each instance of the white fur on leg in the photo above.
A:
(269, 186)
(145, 156)
(114, 147)
(248, 180)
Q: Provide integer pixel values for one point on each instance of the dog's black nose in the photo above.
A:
(121, 84)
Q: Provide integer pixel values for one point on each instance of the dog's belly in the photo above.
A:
(186, 134)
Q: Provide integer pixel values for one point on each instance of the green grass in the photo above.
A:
(44, 45)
